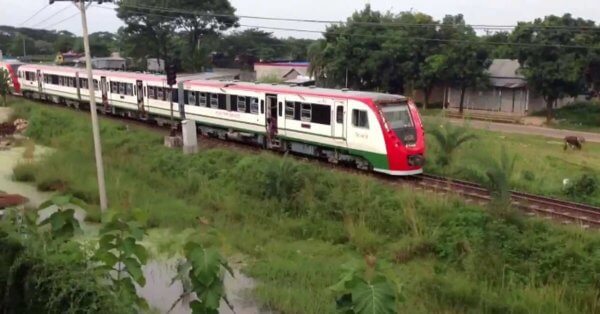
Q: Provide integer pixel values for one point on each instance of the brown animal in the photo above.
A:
(574, 142)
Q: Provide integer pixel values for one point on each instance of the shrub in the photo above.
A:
(584, 186)
(24, 172)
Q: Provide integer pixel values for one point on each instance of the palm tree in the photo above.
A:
(497, 178)
(4, 85)
(449, 139)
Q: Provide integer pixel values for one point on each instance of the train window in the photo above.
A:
(72, 82)
(60, 80)
(151, 92)
(222, 101)
(254, 105)
(160, 93)
(175, 95)
(289, 109)
(203, 100)
(306, 112)
(241, 104)
(280, 109)
(214, 101)
(192, 98)
(122, 88)
(339, 114)
(96, 84)
(360, 118)
(321, 114)
(262, 106)
(130, 89)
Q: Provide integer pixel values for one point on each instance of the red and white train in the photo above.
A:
(374, 131)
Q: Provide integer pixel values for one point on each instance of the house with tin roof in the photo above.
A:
(507, 92)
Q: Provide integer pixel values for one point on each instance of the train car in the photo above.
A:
(12, 67)
(373, 131)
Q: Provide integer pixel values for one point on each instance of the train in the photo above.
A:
(371, 131)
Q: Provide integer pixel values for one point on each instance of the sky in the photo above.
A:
(62, 15)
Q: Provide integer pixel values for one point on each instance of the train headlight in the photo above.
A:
(416, 160)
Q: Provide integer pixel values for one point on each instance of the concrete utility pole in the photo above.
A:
(80, 4)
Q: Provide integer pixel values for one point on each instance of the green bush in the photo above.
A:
(24, 172)
(584, 186)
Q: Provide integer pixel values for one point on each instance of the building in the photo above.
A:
(283, 71)
(114, 62)
(155, 65)
(67, 58)
(507, 92)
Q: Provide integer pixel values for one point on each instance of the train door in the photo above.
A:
(77, 82)
(339, 120)
(39, 80)
(104, 91)
(140, 95)
(271, 114)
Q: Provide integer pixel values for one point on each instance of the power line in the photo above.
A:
(34, 14)
(48, 18)
(473, 26)
(531, 45)
(63, 20)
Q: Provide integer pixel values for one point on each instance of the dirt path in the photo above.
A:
(528, 129)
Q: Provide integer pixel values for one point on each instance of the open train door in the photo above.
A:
(104, 91)
(39, 81)
(140, 97)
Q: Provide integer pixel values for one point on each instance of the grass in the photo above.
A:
(581, 115)
(296, 223)
(540, 167)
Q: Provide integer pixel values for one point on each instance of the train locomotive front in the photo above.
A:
(404, 137)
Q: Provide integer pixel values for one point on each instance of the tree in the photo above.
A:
(4, 85)
(64, 42)
(413, 53)
(198, 19)
(498, 45)
(149, 25)
(550, 61)
(466, 60)
(254, 42)
(355, 53)
(449, 139)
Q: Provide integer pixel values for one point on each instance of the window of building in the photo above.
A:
(306, 112)
(203, 100)
(289, 109)
(241, 104)
(360, 118)
(339, 114)
(254, 105)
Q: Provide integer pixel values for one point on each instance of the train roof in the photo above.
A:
(308, 90)
(262, 87)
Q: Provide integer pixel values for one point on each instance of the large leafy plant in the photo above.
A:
(365, 290)
(63, 223)
(121, 256)
(202, 273)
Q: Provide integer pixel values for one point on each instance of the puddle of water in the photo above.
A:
(8, 160)
(160, 294)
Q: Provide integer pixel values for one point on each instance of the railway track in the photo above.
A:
(584, 215)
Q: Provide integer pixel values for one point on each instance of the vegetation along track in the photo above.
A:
(584, 215)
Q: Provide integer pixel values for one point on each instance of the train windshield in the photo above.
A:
(400, 121)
